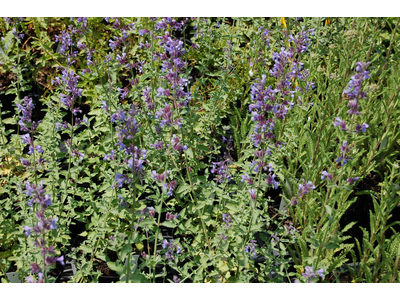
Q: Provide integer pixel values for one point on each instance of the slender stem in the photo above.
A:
(69, 159)
(370, 48)
(389, 52)
(3, 139)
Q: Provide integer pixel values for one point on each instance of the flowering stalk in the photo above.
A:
(40, 229)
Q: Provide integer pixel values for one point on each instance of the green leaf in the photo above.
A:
(331, 246)
(189, 152)
(202, 147)
(328, 209)
(255, 227)
(10, 121)
(168, 224)
(200, 205)
(183, 189)
(126, 249)
(232, 207)
(158, 208)
(115, 266)
(346, 187)
(85, 249)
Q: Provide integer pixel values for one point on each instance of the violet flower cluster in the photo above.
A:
(310, 275)
(176, 145)
(69, 84)
(302, 41)
(290, 229)
(172, 66)
(14, 21)
(173, 249)
(126, 132)
(227, 219)
(354, 94)
(27, 124)
(221, 170)
(251, 248)
(287, 70)
(344, 158)
(304, 188)
(40, 229)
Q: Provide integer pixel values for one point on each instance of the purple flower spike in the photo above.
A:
(227, 219)
(247, 178)
(222, 170)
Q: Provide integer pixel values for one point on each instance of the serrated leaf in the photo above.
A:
(115, 266)
(169, 224)
(183, 189)
(232, 207)
(126, 249)
(85, 249)
(10, 121)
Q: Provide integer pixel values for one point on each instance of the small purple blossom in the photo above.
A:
(339, 123)
(345, 149)
(160, 177)
(176, 145)
(304, 188)
(222, 170)
(173, 249)
(352, 180)
(326, 175)
(251, 248)
(310, 275)
(271, 180)
(110, 157)
(157, 145)
(120, 179)
(253, 194)
(362, 127)
(275, 237)
(170, 216)
(227, 219)
(246, 177)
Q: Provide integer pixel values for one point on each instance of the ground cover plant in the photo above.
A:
(200, 149)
